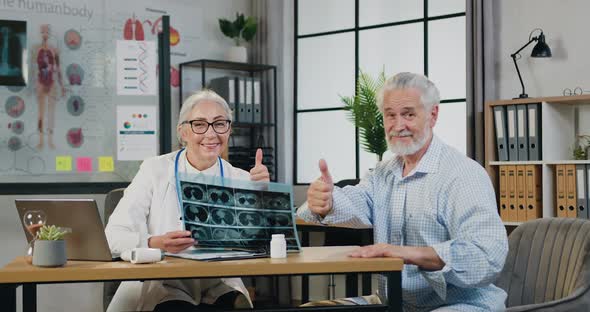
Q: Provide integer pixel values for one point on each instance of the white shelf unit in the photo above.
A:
(562, 120)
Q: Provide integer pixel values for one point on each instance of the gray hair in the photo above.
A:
(429, 95)
(194, 100)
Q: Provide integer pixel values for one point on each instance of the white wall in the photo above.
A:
(88, 297)
(565, 24)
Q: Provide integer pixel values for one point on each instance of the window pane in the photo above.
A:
(374, 12)
(325, 70)
(446, 59)
(327, 135)
(395, 48)
(326, 15)
(443, 7)
(451, 126)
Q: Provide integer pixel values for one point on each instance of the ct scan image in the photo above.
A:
(199, 233)
(248, 198)
(279, 219)
(230, 217)
(254, 233)
(194, 192)
(220, 196)
(196, 213)
(251, 218)
(276, 201)
(226, 234)
(223, 216)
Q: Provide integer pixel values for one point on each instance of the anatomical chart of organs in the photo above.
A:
(61, 126)
(237, 214)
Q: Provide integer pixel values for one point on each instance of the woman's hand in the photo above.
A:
(174, 242)
(259, 172)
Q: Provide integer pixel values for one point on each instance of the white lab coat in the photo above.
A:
(150, 207)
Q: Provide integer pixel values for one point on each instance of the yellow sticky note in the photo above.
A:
(106, 164)
(63, 163)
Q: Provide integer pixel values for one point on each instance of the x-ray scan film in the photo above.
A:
(237, 214)
(276, 201)
(195, 213)
(13, 51)
(194, 192)
(248, 198)
(221, 196)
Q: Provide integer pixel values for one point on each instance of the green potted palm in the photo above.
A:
(49, 249)
(241, 29)
(364, 113)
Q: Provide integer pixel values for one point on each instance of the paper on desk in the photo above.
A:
(210, 254)
(234, 214)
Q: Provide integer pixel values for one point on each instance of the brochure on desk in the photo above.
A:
(237, 214)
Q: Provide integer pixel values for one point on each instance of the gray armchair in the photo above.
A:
(548, 266)
(111, 201)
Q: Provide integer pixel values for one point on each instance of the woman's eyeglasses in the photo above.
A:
(201, 126)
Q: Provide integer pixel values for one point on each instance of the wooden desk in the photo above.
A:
(311, 261)
(342, 235)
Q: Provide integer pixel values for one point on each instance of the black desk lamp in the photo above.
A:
(541, 49)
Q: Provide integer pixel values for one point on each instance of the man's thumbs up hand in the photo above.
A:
(326, 176)
(319, 194)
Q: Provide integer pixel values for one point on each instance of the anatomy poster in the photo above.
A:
(141, 20)
(136, 67)
(237, 214)
(66, 114)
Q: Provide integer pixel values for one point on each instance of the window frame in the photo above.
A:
(426, 19)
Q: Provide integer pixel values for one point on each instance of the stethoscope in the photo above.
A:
(178, 190)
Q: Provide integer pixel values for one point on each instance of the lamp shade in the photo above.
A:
(541, 49)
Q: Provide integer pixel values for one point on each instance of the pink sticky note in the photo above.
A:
(84, 164)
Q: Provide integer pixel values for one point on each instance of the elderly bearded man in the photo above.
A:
(429, 205)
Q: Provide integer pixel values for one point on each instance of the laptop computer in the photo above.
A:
(87, 241)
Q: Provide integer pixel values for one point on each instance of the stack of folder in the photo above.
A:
(520, 193)
(572, 188)
(243, 94)
(518, 132)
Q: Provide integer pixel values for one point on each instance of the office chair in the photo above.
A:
(111, 201)
(548, 266)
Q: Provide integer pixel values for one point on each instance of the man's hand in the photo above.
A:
(174, 242)
(424, 257)
(319, 193)
(259, 172)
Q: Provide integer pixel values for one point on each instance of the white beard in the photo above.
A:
(402, 149)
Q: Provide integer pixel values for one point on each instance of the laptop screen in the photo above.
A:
(87, 240)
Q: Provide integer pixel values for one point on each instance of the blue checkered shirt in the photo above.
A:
(447, 202)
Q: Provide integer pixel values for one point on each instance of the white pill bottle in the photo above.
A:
(278, 246)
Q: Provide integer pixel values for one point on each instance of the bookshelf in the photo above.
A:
(247, 135)
(562, 120)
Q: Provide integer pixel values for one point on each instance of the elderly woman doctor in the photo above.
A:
(148, 214)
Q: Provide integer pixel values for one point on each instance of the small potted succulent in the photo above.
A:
(49, 249)
(242, 28)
